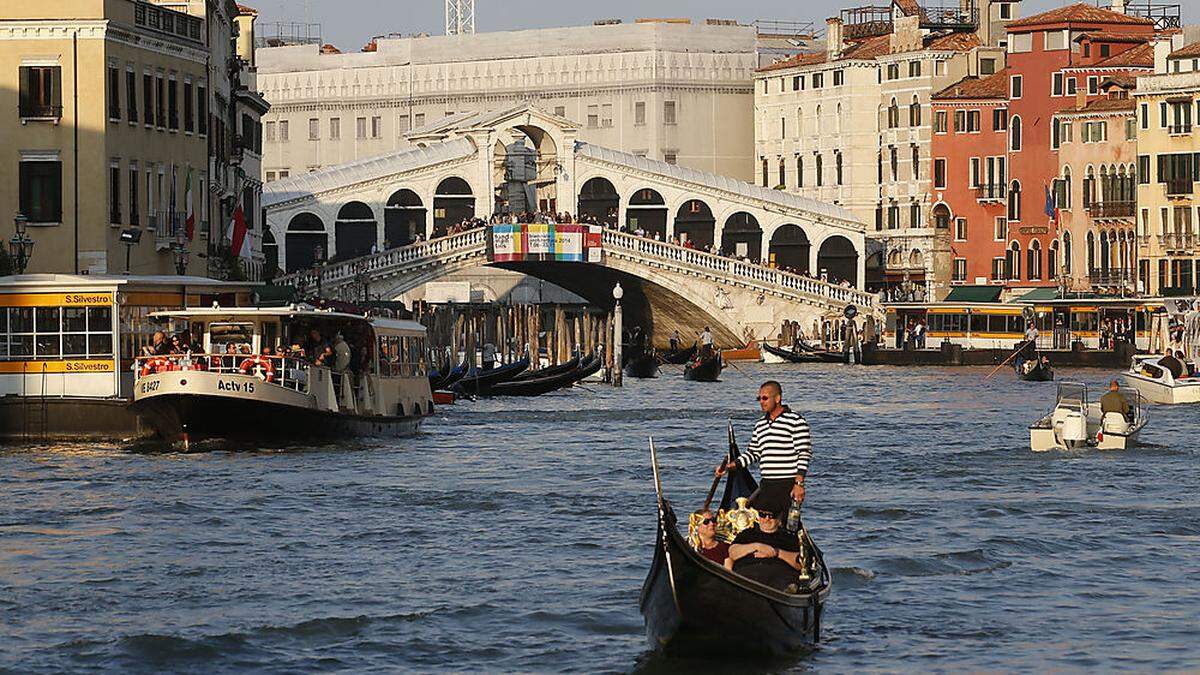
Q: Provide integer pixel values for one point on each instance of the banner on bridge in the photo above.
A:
(560, 242)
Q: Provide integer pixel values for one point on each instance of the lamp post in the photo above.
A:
(618, 293)
(179, 248)
(20, 247)
(319, 263)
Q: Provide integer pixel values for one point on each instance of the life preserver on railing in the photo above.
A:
(268, 369)
(157, 364)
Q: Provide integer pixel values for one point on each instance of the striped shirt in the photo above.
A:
(782, 447)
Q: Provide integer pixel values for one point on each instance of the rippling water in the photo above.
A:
(513, 535)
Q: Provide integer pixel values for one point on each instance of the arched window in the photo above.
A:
(1089, 187)
(1014, 261)
(817, 121)
(1014, 201)
(820, 171)
(1066, 253)
(914, 112)
(799, 121)
(1014, 134)
(1091, 252)
(799, 170)
(893, 114)
(782, 174)
(1052, 261)
(837, 156)
(1034, 264)
(837, 120)
(1066, 191)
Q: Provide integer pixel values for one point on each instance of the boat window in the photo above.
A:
(979, 323)
(947, 323)
(1083, 321)
(240, 335)
(270, 335)
(55, 332)
(401, 356)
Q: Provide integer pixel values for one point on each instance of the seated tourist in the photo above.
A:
(326, 358)
(709, 546)
(1173, 364)
(1114, 401)
(767, 553)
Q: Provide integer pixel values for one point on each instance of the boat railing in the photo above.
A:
(288, 372)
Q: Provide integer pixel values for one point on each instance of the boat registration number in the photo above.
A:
(239, 387)
(147, 387)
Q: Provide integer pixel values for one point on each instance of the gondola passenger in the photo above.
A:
(710, 547)
(767, 553)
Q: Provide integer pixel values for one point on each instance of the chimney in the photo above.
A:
(1081, 94)
(1162, 49)
(1118, 6)
(833, 37)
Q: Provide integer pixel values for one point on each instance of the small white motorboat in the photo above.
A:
(1157, 385)
(1077, 423)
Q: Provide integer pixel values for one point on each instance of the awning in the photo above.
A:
(1039, 295)
(974, 294)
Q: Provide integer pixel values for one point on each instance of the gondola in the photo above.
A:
(642, 364)
(548, 371)
(544, 385)
(693, 606)
(793, 356)
(704, 369)
(452, 375)
(1037, 372)
(679, 357)
(479, 382)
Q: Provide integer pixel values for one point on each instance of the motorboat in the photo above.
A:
(1075, 422)
(244, 382)
(1157, 385)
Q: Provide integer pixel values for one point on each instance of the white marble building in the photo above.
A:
(675, 92)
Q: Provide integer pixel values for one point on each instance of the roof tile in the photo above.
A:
(1187, 51)
(1082, 13)
(973, 87)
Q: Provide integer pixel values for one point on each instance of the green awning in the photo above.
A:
(974, 294)
(1039, 295)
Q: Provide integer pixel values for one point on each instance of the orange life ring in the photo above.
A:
(262, 361)
(153, 365)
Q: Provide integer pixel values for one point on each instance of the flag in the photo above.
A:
(1051, 209)
(238, 240)
(190, 223)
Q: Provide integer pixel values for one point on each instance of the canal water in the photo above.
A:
(514, 535)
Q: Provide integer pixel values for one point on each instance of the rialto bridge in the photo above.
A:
(402, 205)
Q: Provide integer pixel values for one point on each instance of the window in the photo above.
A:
(172, 105)
(668, 112)
(283, 130)
(960, 269)
(1000, 229)
(796, 83)
(975, 171)
(606, 115)
(1000, 119)
(1016, 84)
(939, 173)
(314, 129)
(893, 71)
(839, 77)
(960, 229)
(114, 94)
(940, 122)
(987, 66)
(270, 176)
(894, 163)
(114, 193)
(377, 127)
(360, 128)
(973, 121)
(284, 174)
(783, 127)
(1056, 40)
(1014, 134)
(766, 179)
(837, 156)
(335, 128)
(202, 109)
(1093, 82)
(799, 171)
(1057, 85)
(782, 174)
(914, 68)
(1143, 169)
(1071, 86)
(997, 269)
(403, 127)
(916, 162)
(1005, 10)
(960, 121)
(1095, 132)
(134, 212)
(914, 215)
(1013, 264)
(189, 114)
(1131, 129)
(1034, 263)
(820, 179)
(1020, 43)
(41, 92)
(41, 191)
(893, 217)
(939, 67)
(818, 80)
(148, 98)
(1105, 51)
(131, 107)
(269, 131)
(639, 114)
(893, 115)
(914, 113)
(1014, 201)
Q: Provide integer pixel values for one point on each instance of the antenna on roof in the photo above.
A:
(460, 17)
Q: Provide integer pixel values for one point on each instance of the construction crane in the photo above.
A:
(460, 17)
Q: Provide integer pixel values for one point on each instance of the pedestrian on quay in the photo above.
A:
(782, 446)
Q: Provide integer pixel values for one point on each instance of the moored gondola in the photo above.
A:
(704, 368)
(544, 385)
(549, 371)
(479, 382)
(642, 364)
(447, 376)
(693, 606)
(792, 356)
(678, 357)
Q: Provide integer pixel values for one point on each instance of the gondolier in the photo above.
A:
(782, 446)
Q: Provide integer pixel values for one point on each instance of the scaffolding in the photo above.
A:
(460, 17)
(866, 21)
(1165, 15)
(956, 15)
(287, 33)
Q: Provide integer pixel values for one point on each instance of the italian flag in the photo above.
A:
(190, 223)
(239, 243)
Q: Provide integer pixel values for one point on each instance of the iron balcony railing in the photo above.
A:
(31, 110)
(1112, 209)
(1177, 241)
(986, 193)
(168, 226)
(1113, 276)
(1179, 186)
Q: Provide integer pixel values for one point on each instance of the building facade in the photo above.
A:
(671, 91)
(105, 125)
(863, 138)
(1168, 148)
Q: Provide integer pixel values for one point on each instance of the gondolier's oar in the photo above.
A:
(1010, 356)
(717, 479)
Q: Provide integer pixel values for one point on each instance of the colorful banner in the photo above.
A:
(560, 242)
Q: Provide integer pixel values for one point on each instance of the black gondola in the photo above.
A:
(794, 356)
(1035, 370)
(548, 371)
(693, 606)
(543, 385)
(704, 369)
(642, 364)
(679, 357)
(447, 376)
(479, 382)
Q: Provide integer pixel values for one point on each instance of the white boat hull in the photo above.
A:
(1158, 390)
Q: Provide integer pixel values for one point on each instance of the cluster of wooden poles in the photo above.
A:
(562, 330)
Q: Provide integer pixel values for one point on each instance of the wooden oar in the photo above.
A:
(1010, 356)
(717, 479)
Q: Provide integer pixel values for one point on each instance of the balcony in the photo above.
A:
(1179, 187)
(40, 111)
(991, 193)
(1112, 277)
(1102, 210)
(168, 228)
(1179, 129)
(1177, 241)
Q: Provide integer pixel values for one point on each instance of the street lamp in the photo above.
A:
(20, 247)
(618, 334)
(319, 263)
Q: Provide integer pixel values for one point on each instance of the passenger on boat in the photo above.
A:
(710, 547)
(1114, 401)
(341, 352)
(1173, 364)
(158, 345)
(766, 552)
(326, 358)
(315, 345)
(782, 446)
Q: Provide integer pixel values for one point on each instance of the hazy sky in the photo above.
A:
(350, 23)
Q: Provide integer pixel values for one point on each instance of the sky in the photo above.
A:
(349, 24)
